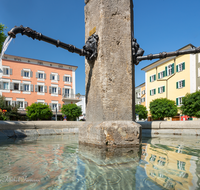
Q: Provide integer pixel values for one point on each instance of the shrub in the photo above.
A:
(72, 111)
(141, 111)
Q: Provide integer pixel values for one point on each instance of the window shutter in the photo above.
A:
(22, 73)
(158, 75)
(63, 91)
(13, 103)
(50, 104)
(1, 84)
(4, 71)
(70, 79)
(173, 68)
(176, 68)
(45, 89)
(64, 78)
(32, 88)
(50, 90)
(176, 84)
(183, 65)
(21, 87)
(150, 92)
(37, 75)
(163, 88)
(59, 106)
(44, 75)
(58, 77)
(154, 77)
(150, 78)
(31, 74)
(154, 91)
(158, 90)
(50, 76)
(36, 88)
(10, 71)
(165, 71)
(59, 90)
(183, 83)
(177, 101)
(25, 104)
(11, 86)
(72, 93)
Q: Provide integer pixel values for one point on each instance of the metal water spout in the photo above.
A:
(89, 49)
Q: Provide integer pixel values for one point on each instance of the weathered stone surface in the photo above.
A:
(110, 133)
(110, 79)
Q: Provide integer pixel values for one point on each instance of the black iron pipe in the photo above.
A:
(39, 36)
(169, 54)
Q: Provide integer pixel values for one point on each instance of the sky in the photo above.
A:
(159, 25)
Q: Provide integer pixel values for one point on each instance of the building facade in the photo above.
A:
(82, 104)
(25, 81)
(140, 94)
(172, 77)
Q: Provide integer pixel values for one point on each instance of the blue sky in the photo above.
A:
(159, 25)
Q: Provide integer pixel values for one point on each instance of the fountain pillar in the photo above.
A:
(110, 85)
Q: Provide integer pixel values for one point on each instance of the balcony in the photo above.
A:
(70, 98)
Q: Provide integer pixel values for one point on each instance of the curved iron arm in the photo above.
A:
(169, 54)
(89, 50)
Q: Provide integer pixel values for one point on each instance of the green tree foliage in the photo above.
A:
(2, 35)
(72, 111)
(141, 111)
(163, 107)
(39, 111)
(7, 112)
(191, 104)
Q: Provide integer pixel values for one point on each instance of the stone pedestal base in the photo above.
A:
(110, 133)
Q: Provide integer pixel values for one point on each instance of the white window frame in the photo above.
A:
(29, 71)
(169, 70)
(180, 99)
(54, 86)
(66, 82)
(56, 77)
(17, 82)
(8, 100)
(21, 100)
(41, 101)
(161, 91)
(180, 82)
(152, 78)
(180, 65)
(6, 81)
(161, 74)
(27, 83)
(143, 92)
(6, 67)
(139, 95)
(152, 92)
(54, 102)
(41, 72)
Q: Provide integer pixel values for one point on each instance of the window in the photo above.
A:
(143, 92)
(26, 87)
(180, 84)
(152, 158)
(152, 78)
(181, 165)
(66, 92)
(7, 71)
(138, 95)
(5, 85)
(169, 70)
(16, 86)
(143, 100)
(161, 75)
(54, 106)
(179, 101)
(54, 90)
(21, 104)
(161, 89)
(54, 76)
(67, 78)
(26, 73)
(180, 67)
(8, 102)
(40, 88)
(152, 92)
(41, 76)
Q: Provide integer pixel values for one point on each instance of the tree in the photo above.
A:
(39, 111)
(163, 107)
(191, 104)
(2, 35)
(141, 111)
(72, 111)
(8, 112)
(78, 95)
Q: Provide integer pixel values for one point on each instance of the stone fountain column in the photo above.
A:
(110, 80)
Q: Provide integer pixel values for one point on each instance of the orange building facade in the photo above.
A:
(25, 81)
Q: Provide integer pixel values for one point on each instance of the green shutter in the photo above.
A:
(165, 71)
(154, 77)
(183, 83)
(150, 79)
(183, 65)
(164, 74)
(150, 92)
(176, 68)
(163, 88)
(177, 101)
(176, 84)
(154, 91)
(158, 75)
(158, 90)
(173, 68)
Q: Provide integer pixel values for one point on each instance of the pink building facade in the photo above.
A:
(25, 81)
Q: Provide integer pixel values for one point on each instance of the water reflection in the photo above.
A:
(58, 162)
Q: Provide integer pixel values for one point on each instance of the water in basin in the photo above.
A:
(59, 162)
